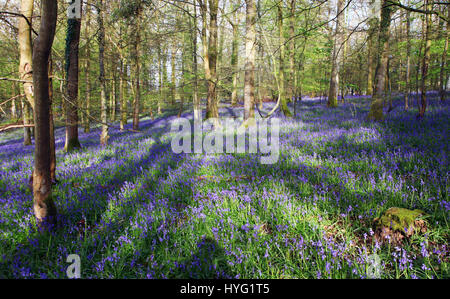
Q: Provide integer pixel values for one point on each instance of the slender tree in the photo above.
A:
(376, 107)
(25, 64)
(371, 45)
(212, 110)
(250, 57)
(43, 205)
(87, 81)
(408, 59)
(334, 80)
(444, 62)
(103, 92)
(195, 98)
(72, 49)
(137, 68)
(281, 87)
(425, 60)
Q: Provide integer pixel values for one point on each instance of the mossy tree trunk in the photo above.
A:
(376, 107)
(72, 50)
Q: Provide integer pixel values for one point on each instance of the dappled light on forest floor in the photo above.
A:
(134, 209)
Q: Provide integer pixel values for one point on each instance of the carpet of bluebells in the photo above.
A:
(134, 209)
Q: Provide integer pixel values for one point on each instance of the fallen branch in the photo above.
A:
(13, 98)
(8, 127)
(15, 80)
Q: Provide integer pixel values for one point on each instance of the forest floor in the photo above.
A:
(134, 209)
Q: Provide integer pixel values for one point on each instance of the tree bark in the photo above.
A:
(250, 56)
(52, 124)
(44, 208)
(87, 100)
(196, 99)
(212, 110)
(103, 93)
(425, 60)
(26, 121)
(292, 70)
(376, 107)
(408, 60)
(72, 50)
(281, 88)
(371, 45)
(444, 62)
(172, 73)
(25, 63)
(334, 80)
(137, 88)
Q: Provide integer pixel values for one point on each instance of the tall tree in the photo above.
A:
(376, 107)
(87, 82)
(281, 88)
(25, 63)
(408, 59)
(292, 50)
(371, 44)
(195, 98)
(250, 57)
(425, 59)
(212, 110)
(72, 49)
(101, 60)
(137, 67)
(444, 62)
(334, 80)
(43, 205)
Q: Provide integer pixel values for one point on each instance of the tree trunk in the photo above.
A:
(25, 64)
(425, 60)
(87, 81)
(44, 208)
(72, 49)
(234, 62)
(137, 88)
(161, 65)
(250, 56)
(292, 70)
(442, 75)
(334, 80)
(113, 101)
(26, 121)
(196, 99)
(172, 73)
(376, 107)
(103, 93)
(408, 60)
(52, 124)
(212, 110)
(371, 45)
(281, 89)
(122, 94)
